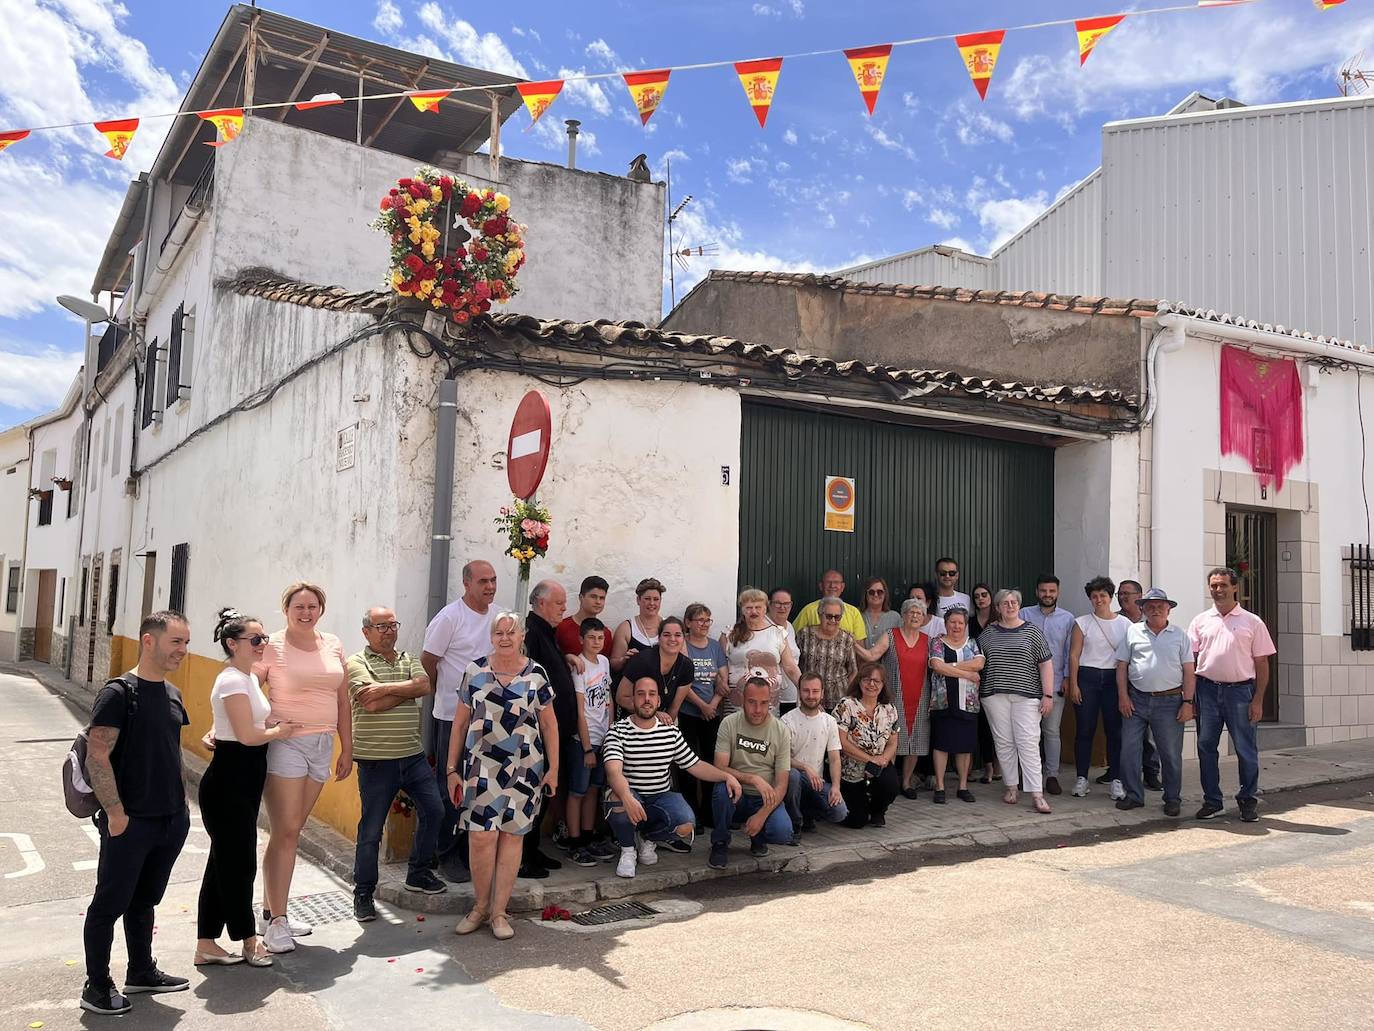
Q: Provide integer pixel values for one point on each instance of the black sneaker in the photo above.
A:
(154, 980)
(1172, 808)
(1128, 803)
(1106, 778)
(1153, 782)
(104, 998)
(676, 844)
(583, 857)
(453, 870)
(938, 797)
(1208, 811)
(758, 848)
(720, 855)
(425, 883)
(562, 840)
(363, 910)
(546, 862)
(533, 873)
(878, 820)
(795, 839)
(808, 824)
(1249, 810)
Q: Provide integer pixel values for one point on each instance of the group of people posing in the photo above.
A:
(632, 738)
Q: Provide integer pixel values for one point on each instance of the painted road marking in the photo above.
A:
(33, 862)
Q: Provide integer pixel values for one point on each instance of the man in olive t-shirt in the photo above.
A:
(754, 746)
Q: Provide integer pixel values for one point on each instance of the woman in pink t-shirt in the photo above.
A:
(303, 672)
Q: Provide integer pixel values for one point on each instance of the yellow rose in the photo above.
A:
(436, 194)
(437, 302)
(427, 249)
(396, 278)
(415, 236)
(502, 202)
(420, 207)
(426, 287)
(414, 223)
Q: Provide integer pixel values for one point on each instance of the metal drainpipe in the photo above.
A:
(441, 526)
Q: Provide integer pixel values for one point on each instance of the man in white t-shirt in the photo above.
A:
(460, 633)
(815, 748)
(947, 591)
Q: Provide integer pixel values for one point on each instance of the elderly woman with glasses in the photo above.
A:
(867, 722)
(828, 651)
(904, 653)
(877, 611)
(1016, 690)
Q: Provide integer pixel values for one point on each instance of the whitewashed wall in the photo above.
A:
(1095, 514)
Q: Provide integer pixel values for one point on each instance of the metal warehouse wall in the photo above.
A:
(930, 266)
(1061, 251)
(1264, 212)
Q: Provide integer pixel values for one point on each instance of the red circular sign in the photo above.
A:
(841, 497)
(527, 449)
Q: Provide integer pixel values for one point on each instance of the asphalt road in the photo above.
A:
(1217, 925)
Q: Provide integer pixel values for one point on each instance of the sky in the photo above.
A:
(822, 186)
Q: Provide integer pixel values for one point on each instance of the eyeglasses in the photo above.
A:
(876, 590)
(253, 639)
(384, 627)
(875, 681)
(830, 617)
(700, 619)
(948, 572)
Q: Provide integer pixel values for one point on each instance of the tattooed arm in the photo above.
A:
(98, 768)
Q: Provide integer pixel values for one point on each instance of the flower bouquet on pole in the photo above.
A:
(526, 526)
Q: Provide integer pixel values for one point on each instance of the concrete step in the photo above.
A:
(1274, 736)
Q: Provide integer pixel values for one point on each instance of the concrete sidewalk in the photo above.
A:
(985, 825)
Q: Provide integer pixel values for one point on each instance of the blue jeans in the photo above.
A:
(1098, 687)
(448, 825)
(1160, 717)
(804, 800)
(378, 782)
(777, 828)
(664, 813)
(1226, 705)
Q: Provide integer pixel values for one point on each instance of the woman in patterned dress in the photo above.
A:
(828, 651)
(867, 722)
(956, 665)
(506, 736)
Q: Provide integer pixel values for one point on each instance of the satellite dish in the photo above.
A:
(1354, 79)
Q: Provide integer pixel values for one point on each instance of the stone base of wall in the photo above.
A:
(59, 651)
(26, 635)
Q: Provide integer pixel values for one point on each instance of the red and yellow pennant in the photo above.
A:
(979, 51)
(869, 65)
(538, 96)
(428, 100)
(120, 133)
(319, 100)
(228, 123)
(760, 82)
(8, 139)
(1326, 5)
(646, 90)
(1090, 32)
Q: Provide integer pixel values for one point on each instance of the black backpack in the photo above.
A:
(76, 783)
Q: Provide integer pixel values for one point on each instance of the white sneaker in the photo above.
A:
(1118, 790)
(648, 853)
(298, 928)
(278, 936)
(626, 866)
(1080, 787)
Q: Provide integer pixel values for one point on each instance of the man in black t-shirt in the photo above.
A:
(134, 763)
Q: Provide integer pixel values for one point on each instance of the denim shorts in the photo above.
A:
(580, 778)
(305, 755)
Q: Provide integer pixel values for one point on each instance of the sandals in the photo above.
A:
(501, 929)
(1041, 806)
(259, 958)
(1010, 796)
(210, 959)
(475, 919)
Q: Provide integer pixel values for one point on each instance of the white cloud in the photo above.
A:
(942, 218)
(388, 19)
(531, 33)
(975, 127)
(882, 139)
(798, 7)
(731, 247)
(466, 45)
(584, 92)
(600, 51)
(763, 10)
(659, 167)
(741, 170)
(911, 101)
(961, 243)
(1249, 54)
(1003, 219)
(790, 138)
(911, 199)
(37, 382)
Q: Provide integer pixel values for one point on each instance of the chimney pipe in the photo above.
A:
(572, 124)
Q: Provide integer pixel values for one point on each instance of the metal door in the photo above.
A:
(920, 494)
(1252, 551)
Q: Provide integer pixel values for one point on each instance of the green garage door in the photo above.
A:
(920, 494)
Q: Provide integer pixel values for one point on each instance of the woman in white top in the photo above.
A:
(230, 793)
(640, 633)
(755, 642)
(1092, 682)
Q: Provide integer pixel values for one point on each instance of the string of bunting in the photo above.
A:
(978, 51)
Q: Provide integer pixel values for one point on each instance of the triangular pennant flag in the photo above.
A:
(228, 123)
(1326, 5)
(319, 100)
(538, 96)
(12, 137)
(428, 100)
(120, 133)
(979, 51)
(869, 65)
(760, 82)
(646, 90)
(1090, 30)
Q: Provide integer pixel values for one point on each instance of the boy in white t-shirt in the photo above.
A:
(813, 785)
(586, 774)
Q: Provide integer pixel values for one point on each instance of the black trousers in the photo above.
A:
(230, 793)
(869, 798)
(700, 735)
(130, 879)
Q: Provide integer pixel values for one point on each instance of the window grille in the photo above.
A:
(181, 557)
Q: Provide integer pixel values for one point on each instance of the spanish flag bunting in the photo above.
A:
(538, 96)
(979, 51)
(646, 90)
(319, 100)
(427, 100)
(760, 82)
(1326, 5)
(120, 134)
(228, 123)
(14, 136)
(869, 65)
(1091, 30)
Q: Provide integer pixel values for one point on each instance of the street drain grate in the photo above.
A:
(614, 913)
(329, 907)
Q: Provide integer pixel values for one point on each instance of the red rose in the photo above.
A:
(414, 262)
(460, 317)
(418, 190)
(446, 186)
(481, 291)
(471, 205)
(485, 306)
(404, 183)
(480, 254)
(460, 253)
(494, 226)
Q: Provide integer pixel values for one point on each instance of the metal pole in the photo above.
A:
(441, 537)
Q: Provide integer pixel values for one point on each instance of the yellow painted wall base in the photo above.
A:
(339, 805)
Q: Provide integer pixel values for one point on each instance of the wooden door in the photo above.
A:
(42, 632)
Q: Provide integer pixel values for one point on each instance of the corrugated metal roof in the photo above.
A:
(948, 266)
(913, 382)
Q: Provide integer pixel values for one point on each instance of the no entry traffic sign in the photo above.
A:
(527, 450)
(839, 503)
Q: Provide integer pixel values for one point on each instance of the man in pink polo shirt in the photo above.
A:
(1232, 648)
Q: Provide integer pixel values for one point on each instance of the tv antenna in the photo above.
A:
(1353, 79)
(681, 256)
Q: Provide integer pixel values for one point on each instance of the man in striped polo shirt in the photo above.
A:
(386, 686)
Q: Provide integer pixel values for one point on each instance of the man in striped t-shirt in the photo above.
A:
(638, 755)
(386, 686)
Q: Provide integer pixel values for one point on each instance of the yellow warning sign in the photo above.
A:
(839, 504)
